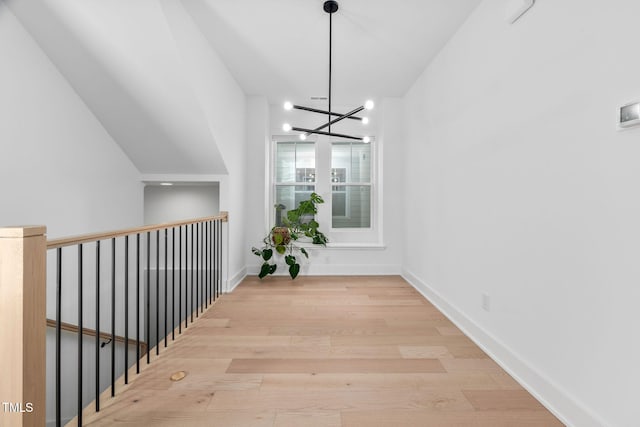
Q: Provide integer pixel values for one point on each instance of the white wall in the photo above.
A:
(184, 201)
(224, 106)
(519, 186)
(257, 191)
(59, 167)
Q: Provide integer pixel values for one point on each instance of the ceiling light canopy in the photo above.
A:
(330, 7)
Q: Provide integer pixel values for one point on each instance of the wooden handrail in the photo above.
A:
(86, 238)
(69, 327)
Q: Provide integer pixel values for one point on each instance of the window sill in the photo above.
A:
(345, 246)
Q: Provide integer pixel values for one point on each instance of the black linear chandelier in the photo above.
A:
(330, 7)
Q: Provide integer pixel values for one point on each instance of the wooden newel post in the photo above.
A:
(22, 326)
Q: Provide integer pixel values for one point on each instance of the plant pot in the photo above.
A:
(281, 231)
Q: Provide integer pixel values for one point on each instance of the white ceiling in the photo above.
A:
(133, 62)
(279, 48)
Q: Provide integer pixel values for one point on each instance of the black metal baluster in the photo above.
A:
(201, 267)
(97, 371)
(180, 280)
(206, 264)
(197, 268)
(157, 292)
(210, 262)
(126, 309)
(211, 295)
(192, 273)
(186, 276)
(58, 336)
(80, 406)
(173, 283)
(211, 253)
(217, 250)
(113, 317)
(137, 303)
(148, 299)
(165, 288)
(219, 257)
(215, 256)
(216, 267)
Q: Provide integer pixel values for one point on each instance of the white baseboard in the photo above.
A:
(564, 406)
(235, 280)
(315, 269)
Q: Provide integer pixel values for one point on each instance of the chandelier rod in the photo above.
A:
(315, 110)
(341, 117)
(321, 132)
(330, 68)
(330, 6)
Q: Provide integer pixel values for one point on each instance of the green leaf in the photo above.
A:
(267, 254)
(313, 224)
(281, 249)
(293, 215)
(304, 252)
(290, 259)
(306, 207)
(273, 268)
(278, 239)
(264, 270)
(256, 251)
(315, 198)
(294, 270)
(320, 239)
(294, 236)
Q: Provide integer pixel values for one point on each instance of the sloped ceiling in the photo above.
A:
(129, 62)
(123, 60)
(280, 48)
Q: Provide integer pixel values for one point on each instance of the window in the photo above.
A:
(295, 175)
(351, 185)
(342, 172)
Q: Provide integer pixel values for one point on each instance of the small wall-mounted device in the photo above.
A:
(629, 115)
(516, 8)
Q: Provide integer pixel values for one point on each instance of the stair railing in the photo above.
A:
(157, 278)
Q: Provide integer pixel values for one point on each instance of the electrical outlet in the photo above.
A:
(486, 302)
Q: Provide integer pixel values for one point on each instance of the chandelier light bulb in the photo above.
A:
(303, 137)
(286, 127)
(366, 140)
(365, 120)
(288, 106)
(369, 105)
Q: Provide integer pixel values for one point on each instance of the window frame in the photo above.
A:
(350, 183)
(338, 237)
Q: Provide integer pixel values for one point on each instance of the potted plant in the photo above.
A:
(299, 222)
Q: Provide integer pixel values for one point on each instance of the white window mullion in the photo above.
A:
(323, 181)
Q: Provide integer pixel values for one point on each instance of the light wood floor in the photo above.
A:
(324, 351)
